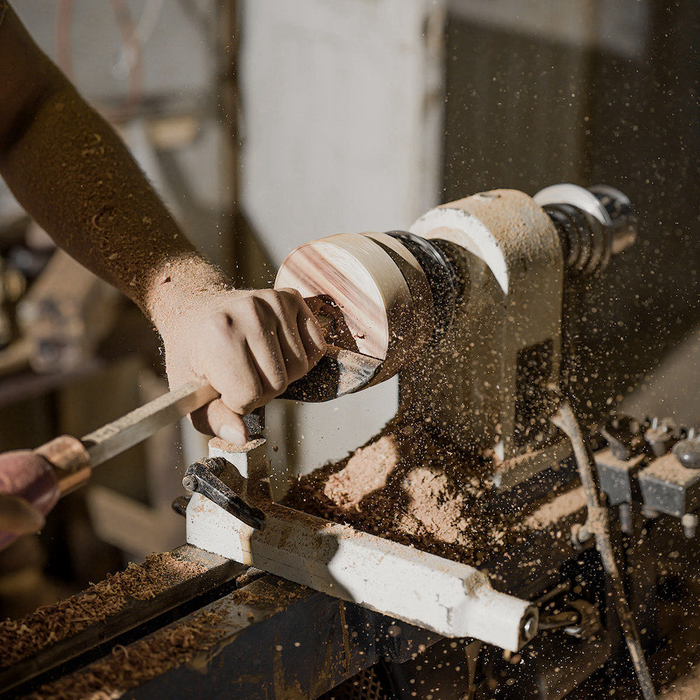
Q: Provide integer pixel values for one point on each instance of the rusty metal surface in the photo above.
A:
(287, 641)
(66, 655)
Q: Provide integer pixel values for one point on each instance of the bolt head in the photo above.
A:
(689, 521)
(687, 452)
(529, 628)
(190, 483)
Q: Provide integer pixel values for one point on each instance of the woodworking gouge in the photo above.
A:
(44, 475)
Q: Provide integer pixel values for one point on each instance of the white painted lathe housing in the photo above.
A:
(506, 335)
(452, 599)
(488, 383)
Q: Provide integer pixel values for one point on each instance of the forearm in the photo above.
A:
(77, 180)
(75, 177)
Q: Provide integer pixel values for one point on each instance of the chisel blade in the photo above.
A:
(127, 431)
(338, 372)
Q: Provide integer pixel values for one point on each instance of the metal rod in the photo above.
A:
(125, 432)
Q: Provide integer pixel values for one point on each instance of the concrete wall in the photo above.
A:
(342, 106)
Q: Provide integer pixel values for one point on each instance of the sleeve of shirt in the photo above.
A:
(3, 9)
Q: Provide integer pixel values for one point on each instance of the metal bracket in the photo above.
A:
(203, 477)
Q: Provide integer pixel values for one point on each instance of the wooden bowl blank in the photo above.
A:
(377, 286)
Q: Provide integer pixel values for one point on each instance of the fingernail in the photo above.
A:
(230, 434)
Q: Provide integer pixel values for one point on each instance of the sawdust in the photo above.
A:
(22, 638)
(412, 487)
(189, 641)
(93, 199)
(129, 667)
(366, 471)
(551, 512)
(278, 596)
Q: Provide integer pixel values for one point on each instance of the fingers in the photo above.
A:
(305, 344)
(270, 351)
(311, 335)
(18, 516)
(245, 362)
(217, 419)
(249, 346)
(288, 307)
(230, 366)
(283, 341)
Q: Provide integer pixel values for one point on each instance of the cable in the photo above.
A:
(144, 29)
(598, 524)
(132, 47)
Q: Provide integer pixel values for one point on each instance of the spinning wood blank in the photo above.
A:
(375, 284)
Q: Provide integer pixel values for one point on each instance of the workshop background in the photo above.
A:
(268, 123)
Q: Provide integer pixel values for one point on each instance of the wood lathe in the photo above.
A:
(587, 590)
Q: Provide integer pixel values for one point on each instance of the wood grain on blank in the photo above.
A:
(378, 286)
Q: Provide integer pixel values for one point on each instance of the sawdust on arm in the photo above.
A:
(75, 177)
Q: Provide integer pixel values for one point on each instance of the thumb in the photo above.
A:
(18, 516)
(217, 419)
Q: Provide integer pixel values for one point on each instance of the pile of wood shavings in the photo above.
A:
(22, 638)
(129, 667)
(411, 487)
(683, 688)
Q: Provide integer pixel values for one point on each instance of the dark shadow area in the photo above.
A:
(528, 111)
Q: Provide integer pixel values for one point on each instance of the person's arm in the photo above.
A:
(74, 176)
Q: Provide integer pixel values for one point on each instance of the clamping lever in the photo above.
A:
(203, 477)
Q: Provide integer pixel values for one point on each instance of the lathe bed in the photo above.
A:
(221, 630)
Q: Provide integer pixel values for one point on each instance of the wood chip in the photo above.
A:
(129, 667)
(412, 487)
(20, 639)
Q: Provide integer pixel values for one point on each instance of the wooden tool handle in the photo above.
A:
(27, 475)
